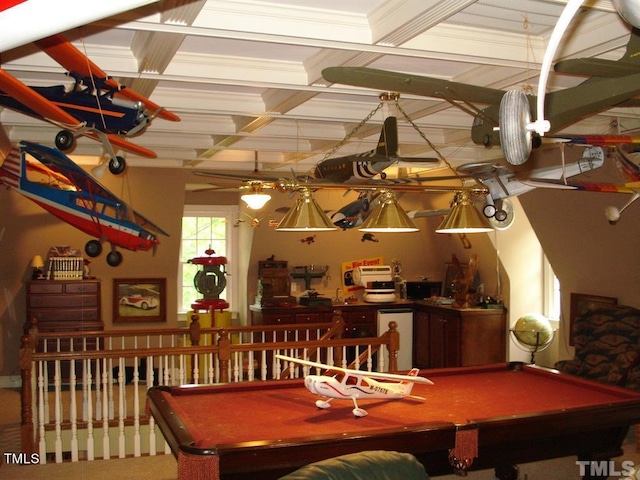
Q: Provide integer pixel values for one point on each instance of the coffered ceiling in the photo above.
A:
(245, 75)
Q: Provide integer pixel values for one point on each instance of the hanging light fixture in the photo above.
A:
(463, 217)
(306, 216)
(255, 198)
(388, 216)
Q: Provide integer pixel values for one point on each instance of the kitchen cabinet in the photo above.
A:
(451, 337)
(360, 319)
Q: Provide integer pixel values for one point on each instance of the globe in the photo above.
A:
(533, 330)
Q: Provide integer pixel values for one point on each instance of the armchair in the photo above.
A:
(607, 346)
(367, 465)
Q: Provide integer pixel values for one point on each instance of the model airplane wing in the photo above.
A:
(68, 56)
(48, 110)
(382, 376)
(124, 144)
(414, 84)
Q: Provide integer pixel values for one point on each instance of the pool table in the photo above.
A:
(471, 418)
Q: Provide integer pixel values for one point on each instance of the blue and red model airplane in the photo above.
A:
(49, 178)
(96, 106)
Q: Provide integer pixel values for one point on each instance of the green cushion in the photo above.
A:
(368, 465)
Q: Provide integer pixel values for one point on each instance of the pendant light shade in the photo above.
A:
(305, 216)
(255, 198)
(388, 216)
(464, 217)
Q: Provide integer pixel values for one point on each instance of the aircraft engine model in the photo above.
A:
(49, 178)
(348, 384)
(96, 106)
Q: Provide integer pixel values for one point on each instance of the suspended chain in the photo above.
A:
(353, 132)
(424, 137)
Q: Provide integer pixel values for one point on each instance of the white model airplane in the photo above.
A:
(344, 383)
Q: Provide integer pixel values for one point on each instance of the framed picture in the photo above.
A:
(581, 303)
(139, 300)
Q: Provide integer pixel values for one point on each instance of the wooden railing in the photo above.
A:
(83, 393)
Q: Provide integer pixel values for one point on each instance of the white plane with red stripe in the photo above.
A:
(348, 384)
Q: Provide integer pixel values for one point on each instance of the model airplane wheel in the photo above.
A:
(65, 140)
(359, 412)
(322, 404)
(117, 165)
(114, 258)
(489, 210)
(515, 138)
(504, 215)
(93, 248)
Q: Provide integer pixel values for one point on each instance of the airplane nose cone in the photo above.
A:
(310, 384)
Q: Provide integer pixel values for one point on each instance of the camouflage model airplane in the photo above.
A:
(612, 83)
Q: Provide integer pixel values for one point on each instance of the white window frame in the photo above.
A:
(230, 214)
(552, 299)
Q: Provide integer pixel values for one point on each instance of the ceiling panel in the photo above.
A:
(244, 75)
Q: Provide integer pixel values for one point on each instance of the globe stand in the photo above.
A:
(542, 341)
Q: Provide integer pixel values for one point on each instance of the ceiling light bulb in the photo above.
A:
(256, 201)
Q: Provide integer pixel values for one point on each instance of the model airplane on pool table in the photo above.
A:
(49, 178)
(96, 106)
(348, 384)
(612, 84)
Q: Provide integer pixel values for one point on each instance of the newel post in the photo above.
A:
(394, 346)
(224, 355)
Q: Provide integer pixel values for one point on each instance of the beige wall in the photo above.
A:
(159, 195)
(588, 255)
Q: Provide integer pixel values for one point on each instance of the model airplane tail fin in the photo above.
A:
(388, 143)
(12, 168)
(407, 385)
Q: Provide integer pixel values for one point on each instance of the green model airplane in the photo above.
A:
(612, 84)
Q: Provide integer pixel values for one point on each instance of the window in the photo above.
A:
(204, 227)
(552, 299)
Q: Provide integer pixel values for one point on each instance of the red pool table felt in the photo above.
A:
(221, 419)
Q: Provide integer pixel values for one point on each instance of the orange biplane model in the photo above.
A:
(96, 106)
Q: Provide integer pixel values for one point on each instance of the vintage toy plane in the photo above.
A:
(629, 170)
(356, 168)
(612, 84)
(49, 178)
(347, 384)
(96, 106)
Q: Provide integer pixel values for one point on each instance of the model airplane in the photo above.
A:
(344, 383)
(63, 189)
(96, 106)
(630, 171)
(612, 84)
(361, 167)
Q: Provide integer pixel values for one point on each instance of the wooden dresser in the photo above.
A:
(65, 305)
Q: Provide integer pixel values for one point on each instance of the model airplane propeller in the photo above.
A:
(49, 178)
(348, 384)
(96, 106)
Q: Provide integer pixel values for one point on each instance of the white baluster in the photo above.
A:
(57, 387)
(73, 414)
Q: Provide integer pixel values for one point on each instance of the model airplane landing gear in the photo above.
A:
(65, 140)
(93, 248)
(515, 118)
(114, 258)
